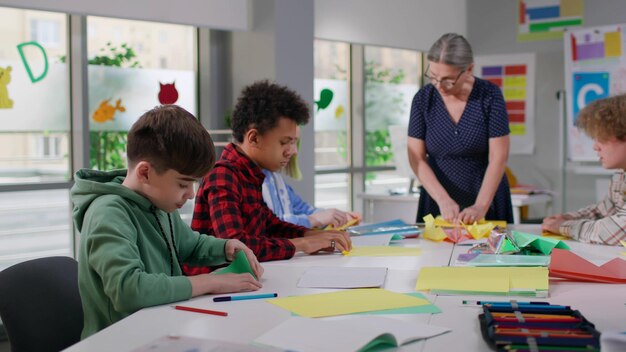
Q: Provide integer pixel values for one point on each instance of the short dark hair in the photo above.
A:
(261, 104)
(170, 137)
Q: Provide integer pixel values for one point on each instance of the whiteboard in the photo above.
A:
(595, 68)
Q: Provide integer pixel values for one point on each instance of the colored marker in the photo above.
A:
(241, 298)
(470, 302)
(200, 310)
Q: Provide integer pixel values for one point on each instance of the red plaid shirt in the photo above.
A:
(229, 204)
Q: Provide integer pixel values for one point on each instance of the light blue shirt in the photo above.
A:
(284, 202)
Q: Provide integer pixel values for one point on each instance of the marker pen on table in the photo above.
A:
(245, 297)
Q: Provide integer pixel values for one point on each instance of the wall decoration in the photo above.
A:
(326, 97)
(106, 111)
(595, 68)
(168, 93)
(547, 19)
(515, 75)
(5, 79)
(20, 49)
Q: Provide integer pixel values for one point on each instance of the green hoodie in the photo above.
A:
(123, 261)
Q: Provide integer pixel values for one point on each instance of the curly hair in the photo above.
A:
(604, 118)
(170, 137)
(262, 104)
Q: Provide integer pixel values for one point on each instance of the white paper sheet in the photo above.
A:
(377, 240)
(342, 277)
(343, 334)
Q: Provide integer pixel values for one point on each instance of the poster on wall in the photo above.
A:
(547, 19)
(515, 75)
(595, 68)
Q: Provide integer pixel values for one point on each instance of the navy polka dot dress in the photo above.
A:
(458, 154)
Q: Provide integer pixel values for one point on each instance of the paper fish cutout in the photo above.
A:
(106, 111)
(5, 79)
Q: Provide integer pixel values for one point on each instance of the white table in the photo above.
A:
(602, 304)
(381, 207)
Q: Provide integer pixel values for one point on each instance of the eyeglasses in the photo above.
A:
(446, 83)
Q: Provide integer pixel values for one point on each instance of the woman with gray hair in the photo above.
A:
(459, 139)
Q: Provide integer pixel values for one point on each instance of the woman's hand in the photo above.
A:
(471, 214)
(449, 210)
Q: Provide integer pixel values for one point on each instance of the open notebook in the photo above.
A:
(357, 333)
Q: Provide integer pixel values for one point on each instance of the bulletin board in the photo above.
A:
(515, 75)
(595, 68)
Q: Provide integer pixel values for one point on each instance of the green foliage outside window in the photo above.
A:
(383, 107)
(107, 148)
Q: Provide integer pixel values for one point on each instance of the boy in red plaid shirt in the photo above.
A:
(229, 202)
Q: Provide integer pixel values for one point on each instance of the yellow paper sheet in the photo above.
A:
(479, 231)
(515, 81)
(346, 302)
(439, 221)
(554, 236)
(612, 44)
(432, 231)
(514, 93)
(623, 244)
(383, 251)
(484, 279)
(342, 227)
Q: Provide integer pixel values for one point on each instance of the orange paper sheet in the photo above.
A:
(565, 264)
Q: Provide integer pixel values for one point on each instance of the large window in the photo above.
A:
(34, 97)
(332, 121)
(134, 66)
(385, 81)
(392, 77)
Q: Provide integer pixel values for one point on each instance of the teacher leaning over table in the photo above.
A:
(458, 141)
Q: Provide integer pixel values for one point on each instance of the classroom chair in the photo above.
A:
(40, 306)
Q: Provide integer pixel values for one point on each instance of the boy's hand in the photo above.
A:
(222, 283)
(319, 240)
(354, 215)
(234, 246)
(333, 217)
(553, 223)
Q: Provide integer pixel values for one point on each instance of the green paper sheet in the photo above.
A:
(542, 244)
(425, 309)
(239, 265)
(509, 260)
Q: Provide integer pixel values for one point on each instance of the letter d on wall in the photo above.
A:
(27, 66)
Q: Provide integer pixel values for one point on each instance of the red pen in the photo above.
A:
(200, 310)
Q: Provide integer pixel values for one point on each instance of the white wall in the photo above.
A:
(492, 30)
(280, 48)
(218, 14)
(406, 24)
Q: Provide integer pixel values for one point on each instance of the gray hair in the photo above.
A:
(452, 49)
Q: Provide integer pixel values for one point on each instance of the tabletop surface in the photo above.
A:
(602, 304)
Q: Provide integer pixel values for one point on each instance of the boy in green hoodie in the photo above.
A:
(132, 237)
